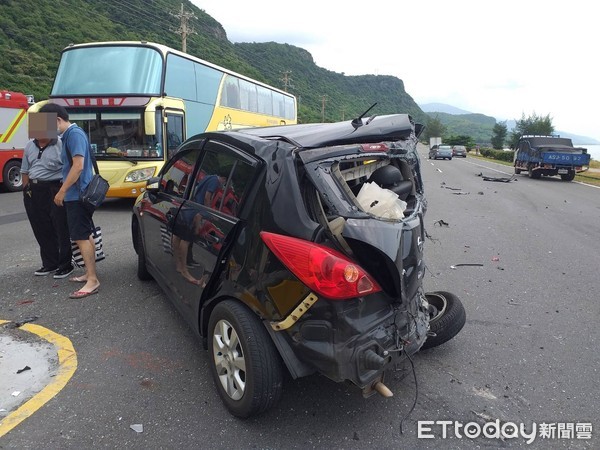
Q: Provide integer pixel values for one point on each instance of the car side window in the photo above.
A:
(179, 170)
(223, 178)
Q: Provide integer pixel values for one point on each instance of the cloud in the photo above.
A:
(500, 59)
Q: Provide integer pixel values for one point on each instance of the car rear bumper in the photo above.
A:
(363, 339)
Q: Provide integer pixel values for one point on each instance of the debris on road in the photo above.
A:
(19, 324)
(499, 179)
(23, 369)
(441, 223)
(137, 427)
(466, 265)
(25, 302)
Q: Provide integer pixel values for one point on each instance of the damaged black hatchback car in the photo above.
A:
(296, 248)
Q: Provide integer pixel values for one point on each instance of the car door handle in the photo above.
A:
(212, 239)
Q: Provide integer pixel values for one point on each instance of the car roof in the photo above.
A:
(394, 127)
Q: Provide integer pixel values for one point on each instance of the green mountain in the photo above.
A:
(33, 33)
(479, 126)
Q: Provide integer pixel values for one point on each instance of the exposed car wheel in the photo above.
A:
(517, 171)
(568, 176)
(12, 176)
(447, 317)
(244, 362)
(142, 270)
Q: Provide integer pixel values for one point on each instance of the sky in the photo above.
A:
(503, 59)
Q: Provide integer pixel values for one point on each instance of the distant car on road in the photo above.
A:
(459, 150)
(440, 151)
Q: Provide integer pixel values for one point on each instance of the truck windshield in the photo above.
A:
(119, 134)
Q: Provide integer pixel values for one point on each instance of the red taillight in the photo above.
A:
(322, 269)
(381, 147)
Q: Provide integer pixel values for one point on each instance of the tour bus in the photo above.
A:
(137, 101)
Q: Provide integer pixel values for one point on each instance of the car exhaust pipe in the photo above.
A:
(383, 390)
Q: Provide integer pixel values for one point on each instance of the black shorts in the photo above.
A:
(79, 217)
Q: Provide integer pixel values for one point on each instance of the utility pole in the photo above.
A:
(323, 101)
(184, 28)
(287, 80)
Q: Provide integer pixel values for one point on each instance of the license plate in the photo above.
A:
(563, 171)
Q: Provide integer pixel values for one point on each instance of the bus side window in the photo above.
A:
(174, 133)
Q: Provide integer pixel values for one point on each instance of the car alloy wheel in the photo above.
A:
(229, 359)
(245, 364)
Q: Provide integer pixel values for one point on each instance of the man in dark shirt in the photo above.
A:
(41, 169)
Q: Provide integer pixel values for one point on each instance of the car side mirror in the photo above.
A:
(153, 184)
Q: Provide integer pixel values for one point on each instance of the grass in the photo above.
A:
(587, 177)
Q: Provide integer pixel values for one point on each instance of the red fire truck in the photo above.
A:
(13, 137)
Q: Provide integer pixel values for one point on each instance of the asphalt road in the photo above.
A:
(528, 353)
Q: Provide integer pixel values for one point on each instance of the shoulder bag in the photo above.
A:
(95, 192)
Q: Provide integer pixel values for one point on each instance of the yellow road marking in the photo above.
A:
(67, 364)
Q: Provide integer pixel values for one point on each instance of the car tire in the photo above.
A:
(142, 270)
(447, 317)
(517, 171)
(244, 362)
(11, 176)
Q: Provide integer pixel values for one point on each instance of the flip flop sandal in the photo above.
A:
(83, 294)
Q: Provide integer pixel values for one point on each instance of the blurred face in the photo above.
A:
(41, 126)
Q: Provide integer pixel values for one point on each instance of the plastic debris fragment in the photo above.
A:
(466, 265)
(23, 369)
(137, 427)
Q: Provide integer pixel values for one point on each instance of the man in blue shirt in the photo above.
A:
(206, 188)
(76, 175)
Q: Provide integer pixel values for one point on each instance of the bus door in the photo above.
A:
(175, 134)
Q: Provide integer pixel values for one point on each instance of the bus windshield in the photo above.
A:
(109, 70)
(119, 134)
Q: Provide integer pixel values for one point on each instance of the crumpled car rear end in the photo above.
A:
(357, 339)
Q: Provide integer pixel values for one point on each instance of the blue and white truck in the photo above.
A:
(549, 156)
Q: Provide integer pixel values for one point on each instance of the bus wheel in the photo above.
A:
(12, 176)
